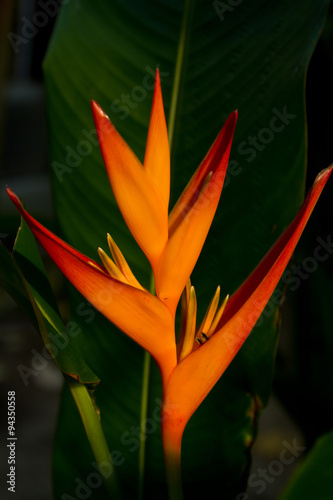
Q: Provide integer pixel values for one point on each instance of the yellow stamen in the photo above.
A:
(217, 317)
(190, 325)
(210, 314)
(122, 264)
(201, 338)
(111, 267)
(92, 264)
(211, 319)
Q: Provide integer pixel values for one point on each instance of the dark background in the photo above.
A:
(299, 407)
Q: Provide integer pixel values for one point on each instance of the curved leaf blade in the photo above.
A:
(254, 60)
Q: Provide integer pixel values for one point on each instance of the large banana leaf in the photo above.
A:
(313, 478)
(23, 276)
(304, 383)
(213, 57)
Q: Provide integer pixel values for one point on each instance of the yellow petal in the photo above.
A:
(122, 263)
(190, 325)
(217, 317)
(210, 313)
(111, 267)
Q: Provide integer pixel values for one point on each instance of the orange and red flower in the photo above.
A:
(172, 245)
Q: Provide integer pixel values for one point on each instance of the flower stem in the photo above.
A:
(172, 443)
(144, 407)
(143, 413)
(92, 425)
(172, 458)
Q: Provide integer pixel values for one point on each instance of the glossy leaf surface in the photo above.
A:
(23, 276)
(313, 478)
(252, 58)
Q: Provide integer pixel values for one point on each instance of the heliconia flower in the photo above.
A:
(204, 353)
(113, 290)
(172, 245)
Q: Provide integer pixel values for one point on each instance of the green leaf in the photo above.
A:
(58, 339)
(27, 264)
(252, 57)
(314, 478)
(12, 281)
(27, 256)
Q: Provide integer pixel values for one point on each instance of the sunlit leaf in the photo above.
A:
(251, 57)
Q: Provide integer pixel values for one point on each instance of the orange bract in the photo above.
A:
(195, 376)
(142, 194)
(172, 245)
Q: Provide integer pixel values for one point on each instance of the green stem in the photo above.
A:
(144, 408)
(174, 479)
(92, 425)
(172, 457)
(143, 414)
(179, 69)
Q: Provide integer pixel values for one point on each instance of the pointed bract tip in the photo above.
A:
(10, 192)
(234, 115)
(15, 199)
(324, 174)
(97, 110)
(231, 121)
